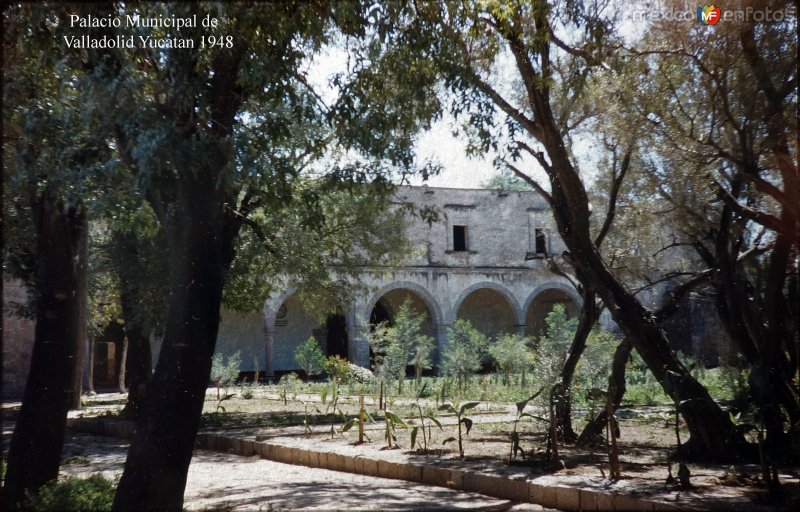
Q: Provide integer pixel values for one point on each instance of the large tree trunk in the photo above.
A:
(35, 453)
(758, 325)
(161, 450)
(589, 315)
(139, 367)
(713, 436)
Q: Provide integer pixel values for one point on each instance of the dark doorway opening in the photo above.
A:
(380, 313)
(541, 242)
(336, 325)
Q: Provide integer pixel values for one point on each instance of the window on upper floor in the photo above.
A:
(459, 238)
(540, 241)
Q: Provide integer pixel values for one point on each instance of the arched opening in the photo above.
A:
(294, 324)
(336, 335)
(542, 305)
(388, 305)
(489, 311)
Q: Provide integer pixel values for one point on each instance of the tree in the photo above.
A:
(400, 344)
(49, 158)
(510, 354)
(464, 353)
(390, 356)
(506, 180)
(310, 357)
(551, 49)
(212, 135)
(738, 153)
(418, 347)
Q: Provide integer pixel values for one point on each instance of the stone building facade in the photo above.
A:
(18, 332)
(483, 261)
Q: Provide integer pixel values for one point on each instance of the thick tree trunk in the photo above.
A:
(616, 382)
(161, 450)
(138, 369)
(589, 315)
(713, 435)
(35, 453)
(759, 327)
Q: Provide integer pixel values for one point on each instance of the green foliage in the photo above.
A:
(510, 354)
(464, 353)
(418, 347)
(416, 429)
(224, 374)
(93, 494)
(392, 423)
(390, 359)
(594, 366)
(460, 412)
(507, 180)
(317, 229)
(309, 357)
(552, 347)
(402, 344)
(338, 369)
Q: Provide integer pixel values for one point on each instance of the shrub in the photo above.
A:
(510, 354)
(338, 369)
(360, 375)
(463, 355)
(93, 494)
(310, 358)
(417, 347)
(224, 373)
(390, 359)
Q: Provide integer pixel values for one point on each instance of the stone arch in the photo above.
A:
(430, 301)
(484, 294)
(540, 302)
(390, 298)
(288, 323)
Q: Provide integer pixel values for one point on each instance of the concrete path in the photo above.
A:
(227, 482)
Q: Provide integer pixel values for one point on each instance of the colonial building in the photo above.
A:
(483, 261)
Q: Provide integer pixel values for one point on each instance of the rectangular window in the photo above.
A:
(540, 237)
(459, 238)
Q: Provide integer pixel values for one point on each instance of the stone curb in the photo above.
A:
(550, 496)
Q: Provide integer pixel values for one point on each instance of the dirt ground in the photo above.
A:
(646, 442)
(647, 438)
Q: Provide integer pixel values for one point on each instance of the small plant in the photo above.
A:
(338, 369)
(459, 411)
(393, 421)
(333, 407)
(515, 446)
(288, 383)
(223, 374)
(307, 417)
(421, 427)
(310, 358)
(93, 494)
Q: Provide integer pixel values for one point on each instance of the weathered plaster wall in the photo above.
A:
(17, 340)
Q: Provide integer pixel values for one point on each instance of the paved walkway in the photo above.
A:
(227, 482)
